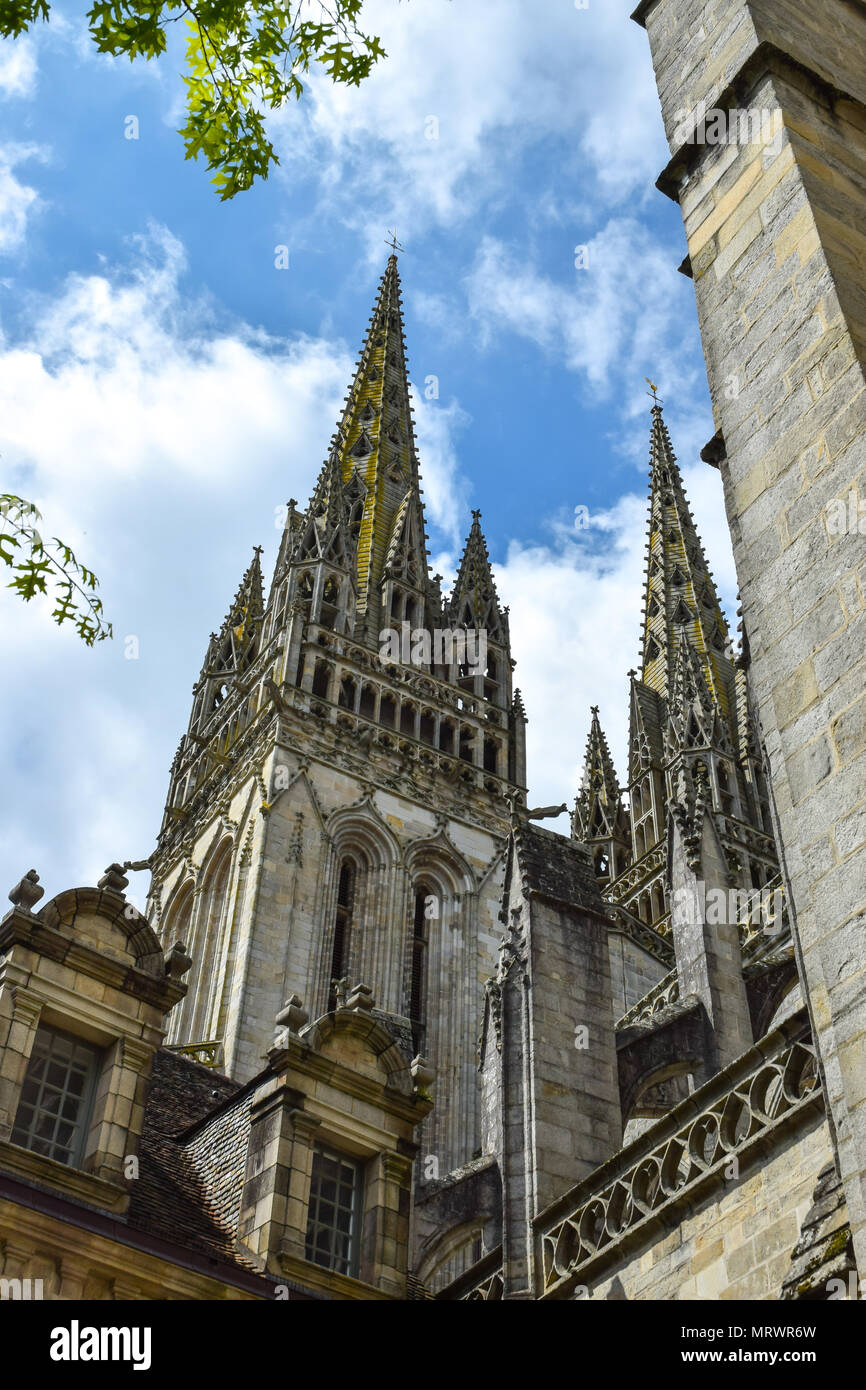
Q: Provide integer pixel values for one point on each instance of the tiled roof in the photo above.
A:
(189, 1185)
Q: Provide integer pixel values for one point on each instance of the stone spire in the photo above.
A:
(373, 453)
(600, 820)
(680, 597)
(235, 646)
(689, 714)
(474, 601)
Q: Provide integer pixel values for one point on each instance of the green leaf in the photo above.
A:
(38, 568)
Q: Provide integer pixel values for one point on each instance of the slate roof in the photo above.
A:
(191, 1169)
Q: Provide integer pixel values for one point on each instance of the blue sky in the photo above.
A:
(164, 387)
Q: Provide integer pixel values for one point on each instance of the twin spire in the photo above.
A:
(374, 444)
(680, 598)
(687, 686)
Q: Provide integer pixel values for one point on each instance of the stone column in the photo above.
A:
(276, 1193)
(19, 1019)
(385, 1228)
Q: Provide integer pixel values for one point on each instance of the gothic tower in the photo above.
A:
(337, 816)
(691, 729)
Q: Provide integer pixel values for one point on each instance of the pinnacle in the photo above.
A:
(680, 597)
(251, 586)
(475, 588)
(598, 809)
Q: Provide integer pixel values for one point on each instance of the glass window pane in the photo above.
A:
(55, 1101)
(334, 1212)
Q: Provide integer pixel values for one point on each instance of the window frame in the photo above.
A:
(352, 1260)
(84, 1121)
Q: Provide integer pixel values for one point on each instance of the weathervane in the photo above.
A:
(653, 391)
(394, 243)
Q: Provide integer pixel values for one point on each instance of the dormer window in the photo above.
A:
(53, 1116)
(334, 1220)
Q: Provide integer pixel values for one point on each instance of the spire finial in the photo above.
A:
(653, 391)
(391, 240)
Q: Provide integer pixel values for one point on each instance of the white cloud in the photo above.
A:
(445, 491)
(610, 319)
(575, 628)
(18, 67)
(466, 90)
(158, 439)
(18, 201)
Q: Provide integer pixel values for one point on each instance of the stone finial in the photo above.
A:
(27, 891)
(422, 1073)
(177, 962)
(292, 1015)
(114, 879)
(361, 999)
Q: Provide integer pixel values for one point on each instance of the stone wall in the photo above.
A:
(777, 249)
(633, 972)
(269, 932)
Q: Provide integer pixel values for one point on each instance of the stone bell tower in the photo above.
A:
(337, 817)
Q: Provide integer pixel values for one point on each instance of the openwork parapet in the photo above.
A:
(655, 1001)
(690, 1148)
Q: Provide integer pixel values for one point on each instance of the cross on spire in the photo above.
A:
(653, 391)
(391, 240)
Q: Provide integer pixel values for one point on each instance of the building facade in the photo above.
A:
(382, 1035)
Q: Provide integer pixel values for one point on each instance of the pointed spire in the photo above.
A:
(375, 444)
(235, 645)
(599, 813)
(474, 601)
(679, 594)
(248, 603)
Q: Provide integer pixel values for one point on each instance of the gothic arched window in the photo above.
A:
(342, 927)
(418, 977)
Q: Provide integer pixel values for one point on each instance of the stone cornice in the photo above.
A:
(326, 1281)
(20, 929)
(766, 59)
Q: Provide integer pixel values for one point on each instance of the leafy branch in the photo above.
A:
(35, 566)
(244, 57)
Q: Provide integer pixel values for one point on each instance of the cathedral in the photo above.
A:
(383, 1035)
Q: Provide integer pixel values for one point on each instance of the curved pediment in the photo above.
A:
(107, 923)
